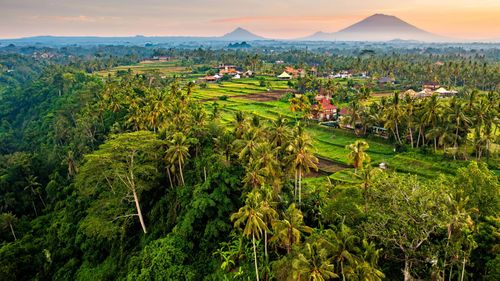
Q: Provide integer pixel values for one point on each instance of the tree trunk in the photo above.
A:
(12, 230)
(170, 178)
(342, 268)
(255, 257)
(406, 270)
(295, 190)
(34, 207)
(139, 213)
(41, 199)
(265, 243)
(397, 132)
(411, 138)
(180, 171)
(300, 185)
(366, 197)
(463, 271)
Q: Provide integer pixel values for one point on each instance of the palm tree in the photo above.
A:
(288, 230)
(393, 115)
(366, 264)
(253, 176)
(8, 220)
(431, 114)
(410, 117)
(190, 87)
(301, 157)
(253, 221)
(314, 263)
(269, 214)
(459, 119)
(279, 132)
(366, 176)
(34, 187)
(224, 143)
(178, 151)
(357, 154)
(342, 245)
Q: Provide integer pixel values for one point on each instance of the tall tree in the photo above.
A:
(178, 151)
(301, 158)
(288, 230)
(126, 165)
(252, 219)
(8, 220)
(357, 154)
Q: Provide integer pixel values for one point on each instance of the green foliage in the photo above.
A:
(164, 259)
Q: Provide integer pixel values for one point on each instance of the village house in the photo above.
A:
(209, 79)
(425, 93)
(227, 69)
(161, 58)
(442, 92)
(324, 110)
(431, 86)
(284, 76)
(295, 73)
(343, 74)
(386, 81)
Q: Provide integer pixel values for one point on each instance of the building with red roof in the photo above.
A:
(324, 110)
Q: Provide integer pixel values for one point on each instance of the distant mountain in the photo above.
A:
(240, 34)
(378, 27)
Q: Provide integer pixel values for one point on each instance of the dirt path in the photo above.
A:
(326, 167)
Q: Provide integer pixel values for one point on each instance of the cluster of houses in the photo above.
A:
(230, 70)
(429, 89)
(290, 72)
(42, 55)
(343, 74)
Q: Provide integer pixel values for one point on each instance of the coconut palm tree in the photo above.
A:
(459, 119)
(190, 86)
(252, 220)
(432, 111)
(266, 207)
(342, 244)
(301, 158)
(357, 154)
(225, 145)
(366, 175)
(313, 263)
(288, 230)
(393, 115)
(8, 220)
(366, 264)
(178, 151)
(253, 176)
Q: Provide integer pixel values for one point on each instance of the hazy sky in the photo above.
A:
(472, 19)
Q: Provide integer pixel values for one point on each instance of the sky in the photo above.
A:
(283, 19)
